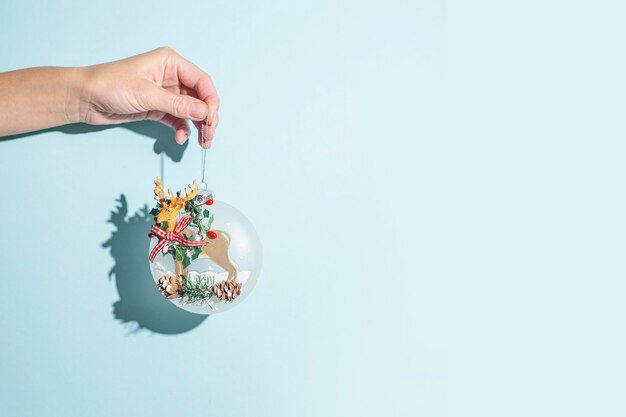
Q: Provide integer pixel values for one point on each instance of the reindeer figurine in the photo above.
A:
(215, 249)
(172, 204)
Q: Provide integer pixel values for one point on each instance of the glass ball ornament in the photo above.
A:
(227, 268)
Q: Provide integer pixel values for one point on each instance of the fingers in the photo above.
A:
(178, 105)
(180, 126)
(193, 77)
(206, 144)
(197, 99)
(209, 132)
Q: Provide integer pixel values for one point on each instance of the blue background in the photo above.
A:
(438, 188)
(327, 143)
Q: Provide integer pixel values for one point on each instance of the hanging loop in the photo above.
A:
(204, 133)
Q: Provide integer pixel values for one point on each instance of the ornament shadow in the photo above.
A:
(140, 305)
(163, 135)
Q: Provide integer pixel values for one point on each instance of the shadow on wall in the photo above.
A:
(140, 306)
(164, 135)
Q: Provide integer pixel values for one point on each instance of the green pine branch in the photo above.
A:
(197, 291)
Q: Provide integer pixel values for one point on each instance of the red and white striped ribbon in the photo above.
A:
(167, 238)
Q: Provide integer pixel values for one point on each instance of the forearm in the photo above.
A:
(38, 98)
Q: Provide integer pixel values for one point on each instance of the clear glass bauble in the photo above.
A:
(238, 257)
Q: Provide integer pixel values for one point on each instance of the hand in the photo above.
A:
(158, 85)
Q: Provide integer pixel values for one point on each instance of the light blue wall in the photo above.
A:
(329, 141)
(439, 190)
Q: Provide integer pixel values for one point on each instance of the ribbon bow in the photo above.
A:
(167, 238)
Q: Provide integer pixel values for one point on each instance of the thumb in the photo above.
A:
(178, 105)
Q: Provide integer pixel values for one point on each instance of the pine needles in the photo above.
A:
(198, 290)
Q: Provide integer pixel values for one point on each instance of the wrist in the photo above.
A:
(41, 97)
(77, 94)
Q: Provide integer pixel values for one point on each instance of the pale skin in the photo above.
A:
(158, 85)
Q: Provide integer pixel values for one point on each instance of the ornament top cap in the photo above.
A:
(204, 193)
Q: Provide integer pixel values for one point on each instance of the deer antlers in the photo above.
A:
(159, 195)
(172, 204)
(193, 191)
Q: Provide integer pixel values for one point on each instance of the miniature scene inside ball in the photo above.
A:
(205, 256)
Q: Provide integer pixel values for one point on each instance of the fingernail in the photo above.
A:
(198, 111)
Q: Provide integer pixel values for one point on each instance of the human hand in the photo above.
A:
(157, 85)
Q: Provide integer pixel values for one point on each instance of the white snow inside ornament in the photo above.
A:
(205, 256)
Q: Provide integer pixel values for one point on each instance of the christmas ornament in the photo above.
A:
(205, 256)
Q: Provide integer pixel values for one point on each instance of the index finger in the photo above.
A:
(193, 77)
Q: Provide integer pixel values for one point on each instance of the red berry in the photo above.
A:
(209, 202)
(212, 234)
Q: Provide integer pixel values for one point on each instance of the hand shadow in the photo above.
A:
(140, 304)
(164, 135)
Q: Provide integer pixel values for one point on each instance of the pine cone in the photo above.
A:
(227, 290)
(169, 285)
